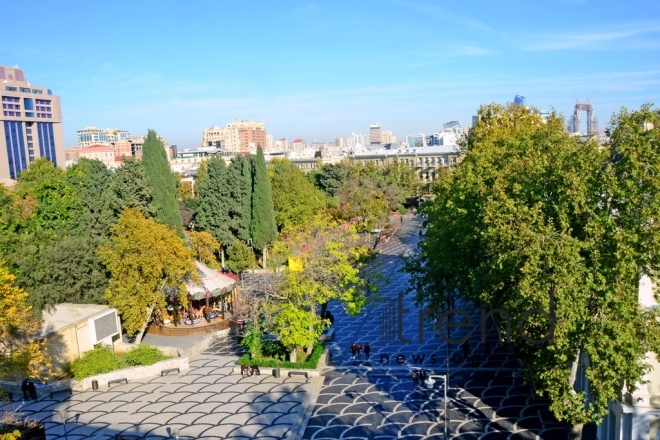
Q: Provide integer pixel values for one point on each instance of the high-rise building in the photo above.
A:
(100, 136)
(30, 124)
(519, 99)
(237, 136)
(387, 137)
(375, 134)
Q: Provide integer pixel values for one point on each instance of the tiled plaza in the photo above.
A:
(205, 402)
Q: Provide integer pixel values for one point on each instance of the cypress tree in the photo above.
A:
(161, 182)
(240, 177)
(130, 189)
(263, 226)
(215, 203)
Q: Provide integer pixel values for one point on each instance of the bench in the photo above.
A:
(120, 380)
(63, 390)
(169, 370)
(298, 373)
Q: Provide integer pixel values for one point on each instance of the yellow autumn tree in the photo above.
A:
(20, 354)
(144, 257)
(205, 246)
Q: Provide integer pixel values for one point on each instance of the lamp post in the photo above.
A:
(62, 414)
(429, 384)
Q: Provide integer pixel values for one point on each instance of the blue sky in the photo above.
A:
(318, 70)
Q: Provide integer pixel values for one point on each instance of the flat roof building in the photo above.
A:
(30, 124)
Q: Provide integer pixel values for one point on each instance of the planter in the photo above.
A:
(27, 433)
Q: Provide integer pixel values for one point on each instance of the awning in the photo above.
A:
(213, 283)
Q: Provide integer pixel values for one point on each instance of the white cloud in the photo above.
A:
(617, 37)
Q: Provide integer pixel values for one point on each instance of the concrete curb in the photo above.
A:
(309, 404)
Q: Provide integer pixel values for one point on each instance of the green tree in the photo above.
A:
(240, 257)
(533, 218)
(55, 199)
(295, 199)
(91, 182)
(332, 177)
(263, 227)
(143, 258)
(363, 201)
(215, 203)
(404, 177)
(66, 269)
(329, 265)
(129, 189)
(240, 175)
(158, 174)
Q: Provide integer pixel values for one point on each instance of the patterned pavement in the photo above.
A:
(206, 402)
(375, 398)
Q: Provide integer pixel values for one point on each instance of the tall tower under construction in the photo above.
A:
(592, 123)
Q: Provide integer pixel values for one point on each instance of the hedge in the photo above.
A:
(310, 363)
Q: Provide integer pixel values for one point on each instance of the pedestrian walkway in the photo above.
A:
(375, 398)
(206, 402)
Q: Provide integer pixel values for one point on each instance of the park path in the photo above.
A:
(375, 398)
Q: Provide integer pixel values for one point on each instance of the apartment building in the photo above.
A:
(237, 137)
(30, 124)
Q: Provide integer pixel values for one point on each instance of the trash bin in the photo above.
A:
(95, 385)
(276, 372)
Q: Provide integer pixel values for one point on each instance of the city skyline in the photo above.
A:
(320, 71)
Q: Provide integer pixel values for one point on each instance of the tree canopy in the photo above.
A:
(295, 199)
(215, 203)
(143, 258)
(263, 227)
(161, 181)
(20, 354)
(533, 218)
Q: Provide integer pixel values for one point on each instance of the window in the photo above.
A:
(10, 88)
(29, 114)
(37, 92)
(24, 89)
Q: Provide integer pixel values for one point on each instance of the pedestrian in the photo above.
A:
(415, 378)
(420, 233)
(367, 350)
(401, 219)
(353, 350)
(24, 388)
(359, 350)
(422, 376)
(466, 349)
(255, 370)
(33, 390)
(514, 376)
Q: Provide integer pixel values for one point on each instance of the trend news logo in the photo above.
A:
(391, 323)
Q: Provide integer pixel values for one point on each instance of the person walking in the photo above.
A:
(415, 378)
(422, 376)
(367, 350)
(353, 350)
(24, 388)
(33, 390)
(359, 351)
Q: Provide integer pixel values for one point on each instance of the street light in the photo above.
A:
(62, 414)
(429, 384)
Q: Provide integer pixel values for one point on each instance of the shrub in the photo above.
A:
(310, 363)
(97, 361)
(273, 349)
(144, 354)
